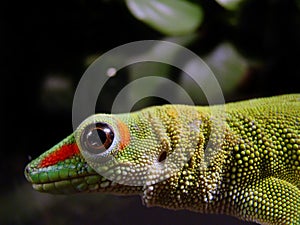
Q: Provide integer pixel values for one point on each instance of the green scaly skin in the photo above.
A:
(244, 161)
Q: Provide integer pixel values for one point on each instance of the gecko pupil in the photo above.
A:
(98, 137)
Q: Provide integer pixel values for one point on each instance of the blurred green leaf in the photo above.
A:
(160, 51)
(170, 17)
(230, 4)
(228, 67)
(140, 70)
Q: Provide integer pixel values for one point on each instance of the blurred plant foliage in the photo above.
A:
(173, 17)
(240, 41)
(230, 4)
(181, 19)
(161, 14)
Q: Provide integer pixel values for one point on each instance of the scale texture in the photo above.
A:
(240, 159)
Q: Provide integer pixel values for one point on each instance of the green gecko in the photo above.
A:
(241, 159)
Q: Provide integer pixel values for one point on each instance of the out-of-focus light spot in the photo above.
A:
(57, 92)
(111, 72)
(55, 82)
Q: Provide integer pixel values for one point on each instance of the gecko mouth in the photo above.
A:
(88, 183)
(65, 181)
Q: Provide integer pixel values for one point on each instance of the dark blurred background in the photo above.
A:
(46, 47)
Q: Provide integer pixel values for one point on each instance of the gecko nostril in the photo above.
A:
(27, 171)
(162, 156)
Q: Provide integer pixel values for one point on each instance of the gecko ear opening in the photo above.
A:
(97, 137)
(162, 156)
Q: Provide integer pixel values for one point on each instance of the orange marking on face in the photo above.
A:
(124, 135)
(64, 152)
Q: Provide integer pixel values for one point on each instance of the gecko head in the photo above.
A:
(121, 154)
(63, 170)
(106, 153)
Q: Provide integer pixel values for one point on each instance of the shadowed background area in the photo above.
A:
(253, 49)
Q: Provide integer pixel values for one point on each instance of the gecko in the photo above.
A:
(240, 159)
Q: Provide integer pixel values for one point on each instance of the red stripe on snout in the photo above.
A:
(64, 152)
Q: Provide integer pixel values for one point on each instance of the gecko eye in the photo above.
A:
(97, 138)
